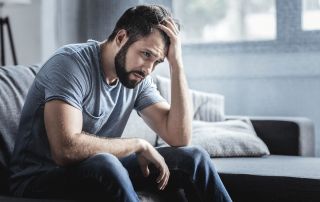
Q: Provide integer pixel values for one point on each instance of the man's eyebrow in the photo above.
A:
(155, 55)
(160, 60)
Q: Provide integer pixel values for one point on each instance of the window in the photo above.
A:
(249, 25)
(226, 20)
(311, 15)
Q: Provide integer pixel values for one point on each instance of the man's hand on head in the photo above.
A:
(174, 53)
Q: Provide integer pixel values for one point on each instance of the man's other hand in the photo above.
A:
(150, 155)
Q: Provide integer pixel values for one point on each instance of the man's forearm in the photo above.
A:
(84, 145)
(178, 125)
(179, 118)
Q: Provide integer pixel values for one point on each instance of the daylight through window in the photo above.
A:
(226, 20)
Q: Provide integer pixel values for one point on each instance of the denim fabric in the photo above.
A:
(105, 177)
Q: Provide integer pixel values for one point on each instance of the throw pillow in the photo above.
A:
(232, 138)
(206, 106)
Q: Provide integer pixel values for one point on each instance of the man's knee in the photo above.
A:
(185, 158)
(194, 153)
(104, 164)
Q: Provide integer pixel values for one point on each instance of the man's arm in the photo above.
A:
(172, 123)
(69, 144)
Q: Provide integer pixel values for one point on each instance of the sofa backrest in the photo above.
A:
(14, 84)
(206, 106)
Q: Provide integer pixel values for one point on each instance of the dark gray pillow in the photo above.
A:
(14, 84)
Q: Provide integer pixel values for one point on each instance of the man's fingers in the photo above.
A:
(164, 182)
(172, 25)
(146, 171)
(144, 167)
(162, 175)
(163, 178)
(168, 31)
(167, 179)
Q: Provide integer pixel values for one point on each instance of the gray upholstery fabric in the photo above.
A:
(14, 84)
(136, 127)
(293, 135)
(206, 106)
(272, 165)
(233, 138)
(271, 178)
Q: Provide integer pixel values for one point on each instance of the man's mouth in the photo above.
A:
(138, 75)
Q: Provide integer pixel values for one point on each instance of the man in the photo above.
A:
(78, 106)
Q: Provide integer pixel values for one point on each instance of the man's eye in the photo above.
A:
(146, 54)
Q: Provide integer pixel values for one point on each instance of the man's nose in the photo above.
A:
(147, 68)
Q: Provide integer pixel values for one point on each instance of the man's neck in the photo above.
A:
(107, 60)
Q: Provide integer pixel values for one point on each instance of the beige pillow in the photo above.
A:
(232, 138)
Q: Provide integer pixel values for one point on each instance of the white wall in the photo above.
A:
(25, 23)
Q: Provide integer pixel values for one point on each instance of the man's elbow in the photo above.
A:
(184, 140)
(61, 157)
(180, 144)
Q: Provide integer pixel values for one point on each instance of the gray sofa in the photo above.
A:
(289, 173)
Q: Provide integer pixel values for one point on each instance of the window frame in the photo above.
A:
(290, 37)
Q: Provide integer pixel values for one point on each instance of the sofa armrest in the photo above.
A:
(286, 135)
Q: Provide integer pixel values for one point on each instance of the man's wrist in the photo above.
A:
(176, 64)
(142, 145)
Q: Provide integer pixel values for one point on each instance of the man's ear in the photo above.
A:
(121, 37)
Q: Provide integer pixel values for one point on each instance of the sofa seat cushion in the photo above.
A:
(271, 178)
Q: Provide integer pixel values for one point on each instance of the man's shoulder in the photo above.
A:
(77, 49)
(147, 82)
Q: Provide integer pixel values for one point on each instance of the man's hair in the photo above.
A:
(139, 21)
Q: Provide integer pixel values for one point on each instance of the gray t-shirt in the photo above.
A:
(74, 75)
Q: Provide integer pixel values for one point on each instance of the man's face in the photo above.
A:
(136, 61)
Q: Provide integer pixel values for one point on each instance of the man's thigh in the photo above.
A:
(86, 179)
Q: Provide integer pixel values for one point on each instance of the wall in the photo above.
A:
(25, 23)
(44, 25)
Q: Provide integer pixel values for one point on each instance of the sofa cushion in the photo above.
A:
(271, 178)
(228, 138)
(206, 106)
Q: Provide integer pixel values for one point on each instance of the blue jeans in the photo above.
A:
(107, 178)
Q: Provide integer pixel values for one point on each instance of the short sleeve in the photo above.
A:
(65, 79)
(148, 95)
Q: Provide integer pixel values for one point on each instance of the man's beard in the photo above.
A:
(122, 73)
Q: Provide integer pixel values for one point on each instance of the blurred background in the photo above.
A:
(262, 55)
